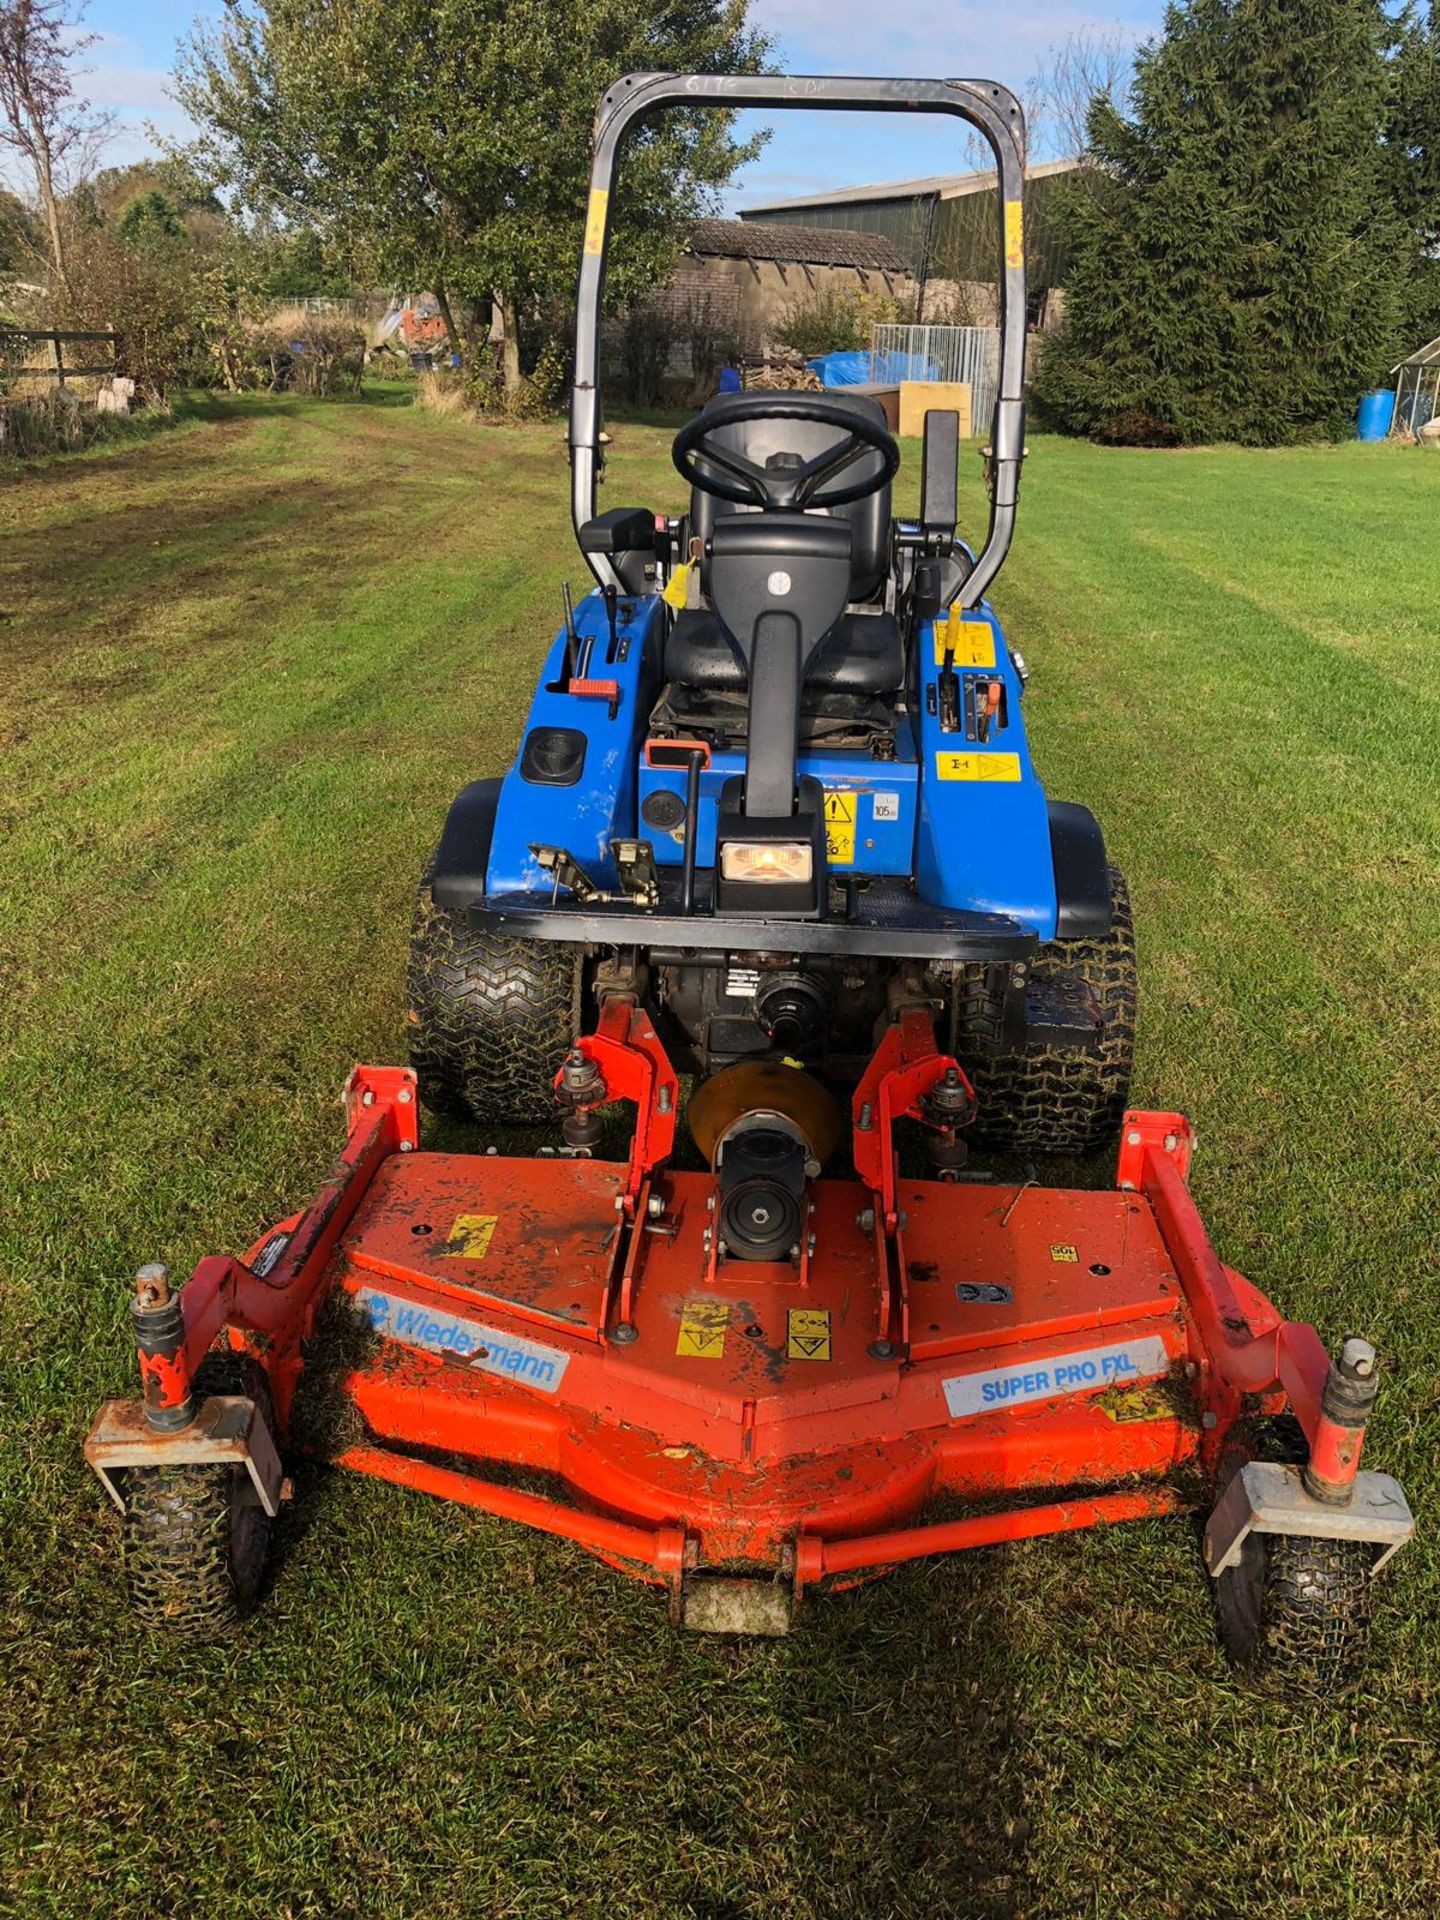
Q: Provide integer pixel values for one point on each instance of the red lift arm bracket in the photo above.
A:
(634, 1066)
(902, 1070)
(381, 1112)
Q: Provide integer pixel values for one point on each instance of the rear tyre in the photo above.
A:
(195, 1540)
(491, 1017)
(1295, 1609)
(1044, 1099)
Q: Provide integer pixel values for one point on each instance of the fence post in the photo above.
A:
(59, 363)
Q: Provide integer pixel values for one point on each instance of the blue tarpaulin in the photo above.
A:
(857, 369)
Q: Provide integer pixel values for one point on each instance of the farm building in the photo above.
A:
(747, 275)
(944, 229)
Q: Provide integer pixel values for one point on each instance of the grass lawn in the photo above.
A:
(243, 668)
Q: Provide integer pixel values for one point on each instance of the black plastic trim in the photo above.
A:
(563, 746)
(464, 850)
(1082, 873)
(925, 933)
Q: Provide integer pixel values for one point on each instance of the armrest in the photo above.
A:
(620, 530)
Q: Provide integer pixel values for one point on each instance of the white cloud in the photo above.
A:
(929, 37)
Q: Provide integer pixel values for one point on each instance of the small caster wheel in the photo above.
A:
(195, 1540)
(1295, 1609)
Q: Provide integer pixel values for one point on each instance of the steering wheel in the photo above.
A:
(812, 483)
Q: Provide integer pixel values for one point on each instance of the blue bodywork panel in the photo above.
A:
(870, 807)
(967, 818)
(583, 817)
(983, 838)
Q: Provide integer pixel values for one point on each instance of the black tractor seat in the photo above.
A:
(862, 653)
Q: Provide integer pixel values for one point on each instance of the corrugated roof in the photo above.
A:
(802, 246)
(942, 186)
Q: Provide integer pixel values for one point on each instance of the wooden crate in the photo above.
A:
(917, 397)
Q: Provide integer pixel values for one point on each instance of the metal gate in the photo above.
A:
(971, 354)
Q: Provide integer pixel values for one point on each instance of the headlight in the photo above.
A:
(765, 860)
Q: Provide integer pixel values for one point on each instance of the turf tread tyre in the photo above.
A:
(1297, 1610)
(1046, 1100)
(491, 1017)
(194, 1545)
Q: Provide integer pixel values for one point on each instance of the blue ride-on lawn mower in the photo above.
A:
(773, 825)
(775, 780)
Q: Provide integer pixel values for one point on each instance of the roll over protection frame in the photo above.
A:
(993, 110)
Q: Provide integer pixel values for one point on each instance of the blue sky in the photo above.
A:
(809, 153)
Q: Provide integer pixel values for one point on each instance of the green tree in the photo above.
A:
(1414, 149)
(1239, 272)
(447, 140)
(151, 220)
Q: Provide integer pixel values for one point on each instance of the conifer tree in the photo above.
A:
(1239, 267)
(1414, 146)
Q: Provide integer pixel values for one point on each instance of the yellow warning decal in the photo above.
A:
(977, 766)
(1123, 1404)
(702, 1330)
(676, 587)
(595, 220)
(841, 804)
(969, 643)
(1014, 233)
(1066, 1255)
(470, 1236)
(809, 1333)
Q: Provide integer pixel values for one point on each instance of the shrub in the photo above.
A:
(311, 353)
(834, 319)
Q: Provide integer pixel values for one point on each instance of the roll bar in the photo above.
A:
(992, 109)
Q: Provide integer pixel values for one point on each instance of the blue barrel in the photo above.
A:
(1377, 410)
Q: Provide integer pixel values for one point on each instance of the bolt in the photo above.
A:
(407, 1146)
(710, 1204)
(1171, 1142)
(619, 1203)
(866, 1120)
(625, 1333)
(1133, 1138)
(404, 1096)
(881, 1350)
(706, 1238)
(367, 1098)
(1209, 1421)
(152, 1284)
(865, 1220)
(952, 1078)
(666, 1100)
(761, 1216)
(655, 1206)
(810, 1246)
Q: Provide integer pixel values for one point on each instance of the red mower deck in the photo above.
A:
(940, 1366)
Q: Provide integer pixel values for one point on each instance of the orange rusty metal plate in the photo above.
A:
(536, 1237)
(1068, 1261)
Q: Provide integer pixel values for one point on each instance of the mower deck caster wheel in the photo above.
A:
(1296, 1609)
(195, 1540)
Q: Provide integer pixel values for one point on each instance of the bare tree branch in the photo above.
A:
(55, 136)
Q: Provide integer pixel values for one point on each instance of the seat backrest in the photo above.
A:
(869, 519)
